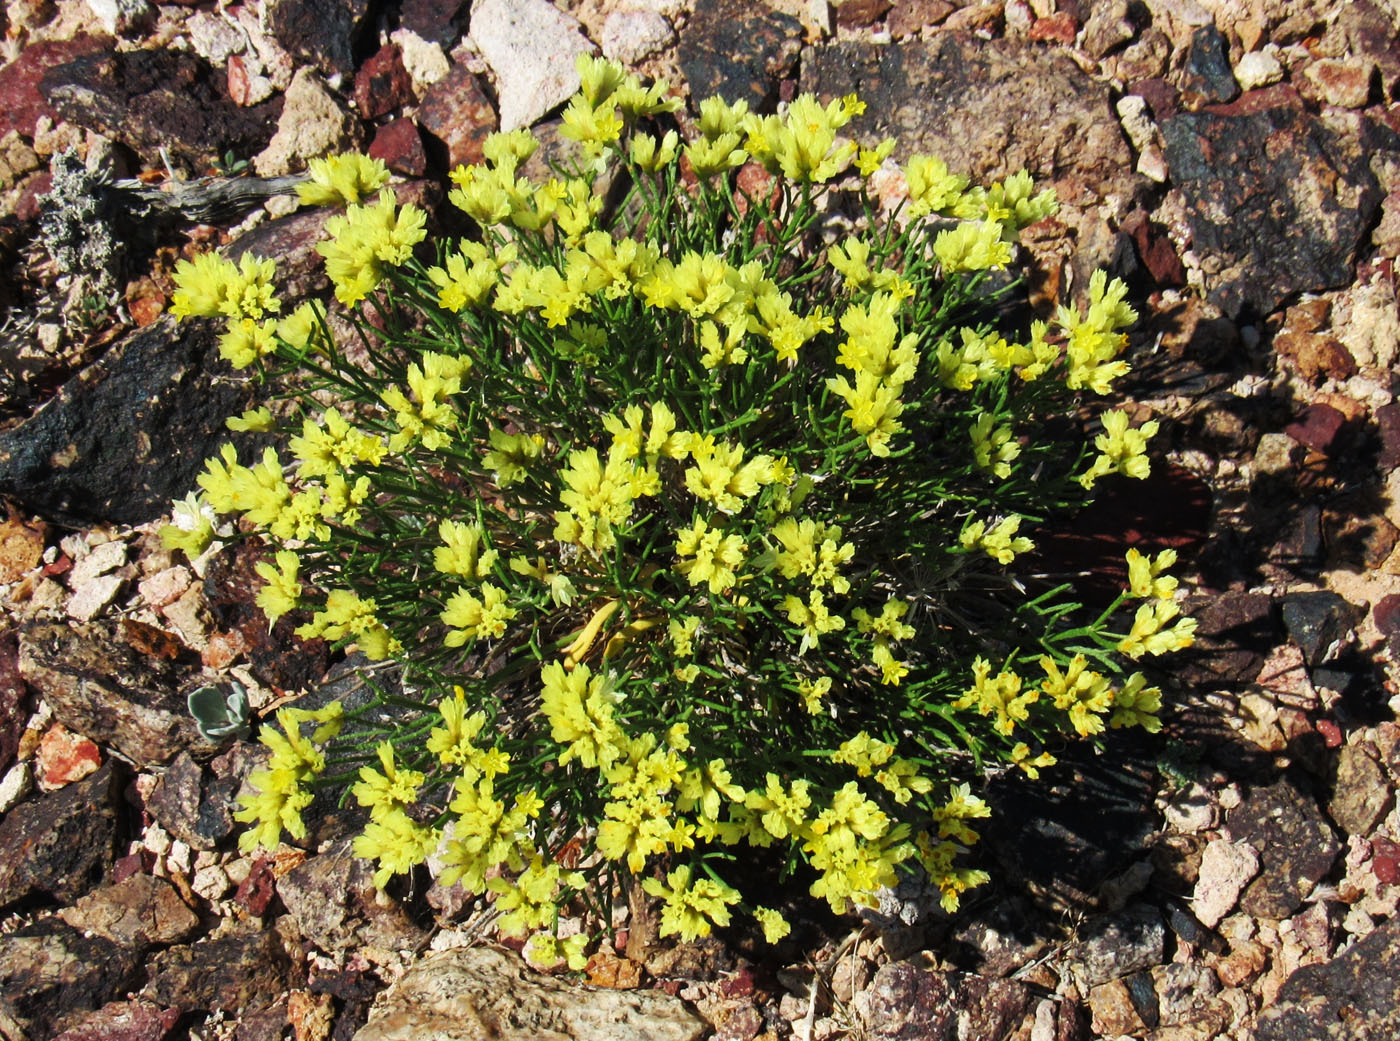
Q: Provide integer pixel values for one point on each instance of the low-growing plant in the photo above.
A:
(695, 523)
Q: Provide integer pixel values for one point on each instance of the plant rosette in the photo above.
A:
(693, 523)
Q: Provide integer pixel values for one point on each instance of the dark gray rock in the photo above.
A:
(1120, 945)
(739, 51)
(438, 21)
(100, 687)
(323, 32)
(905, 1002)
(1318, 623)
(129, 433)
(245, 967)
(1296, 847)
(196, 804)
(61, 844)
(1278, 202)
(1207, 75)
(50, 973)
(13, 696)
(332, 899)
(997, 938)
(149, 100)
(1354, 996)
(1233, 633)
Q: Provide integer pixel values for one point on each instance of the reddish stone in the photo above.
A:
(142, 862)
(21, 102)
(911, 16)
(1320, 428)
(27, 205)
(144, 301)
(400, 146)
(1331, 733)
(256, 891)
(856, 14)
(457, 112)
(1385, 860)
(1161, 96)
(383, 84)
(1315, 356)
(65, 757)
(1387, 419)
(239, 87)
(1060, 27)
(135, 1020)
(1155, 250)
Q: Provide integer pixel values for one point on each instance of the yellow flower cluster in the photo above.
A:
(366, 241)
(1122, 449)
(278, 791)
(338, 180)
(882, 362)
(1094, 341)
(1002, 543)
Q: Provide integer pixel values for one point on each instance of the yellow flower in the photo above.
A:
(1124, 450)
(426, 414)
(691, 909)
(972, 246)
(579, 708)
(393, 787)
(775, 926)
(1150, 635)
(340, 179)
(461, 553)
(1136, 704)
(708, 556)
(471, 618)
(782, 812)
(932, 189)
(396, 843)
(1000, 697)
(1145, 575)
(651, 156)
(282, 593)
(1002, 543)
(993, 447)
(193, 527)
(367, 240)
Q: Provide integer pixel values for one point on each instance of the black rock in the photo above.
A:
(1317, 623)
(739, 51)
(1277, 201)
(153, 99)
(1207, 72)
(1120, 945)
(1296, 847)
(323, 32)
(437, 21)
(128, 434)
(50, 971)
(1087, 819)
(61, 844)
(1233, 633)
(1356, 995)
(13, 696)
(243, 968)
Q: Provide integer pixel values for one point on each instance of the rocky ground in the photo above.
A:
(1237, 161)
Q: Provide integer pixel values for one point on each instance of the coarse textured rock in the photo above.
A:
(382, 83)
(458, 115)
(154, 100)
(1295, 843)
(1087, 821)
(195, 804)
(1233, 633)
(313, 123)
(1183, 992)
(1206, 76)
(1277, 202)
(1366, 29)
(423, 59)
(140, 911)
(968, 101)
(292, 240)
(1114, 1011)
(904, 1001)
(242, 966)
(860, 14)
(1258, 69)
(61, 844)
(99, 686)
(323, 32)
(738, 51)
(999, 938)
(1118, 945)
(1318, 623)
(531, 46)
(909, 17)
(399, 144)
(1315, 356)
(480, 992)
(1345, 82)
(631, 35)
(1362, 794)
(1323, 428)
(1366, 319)
(13, 696)
(332, 899)
(213, 38)
(439, 21)
(50, 973)
(1226, 867)
(121, 1021)
(1356, 995)
(22, 102)
(129, 433)
(1111, 24)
